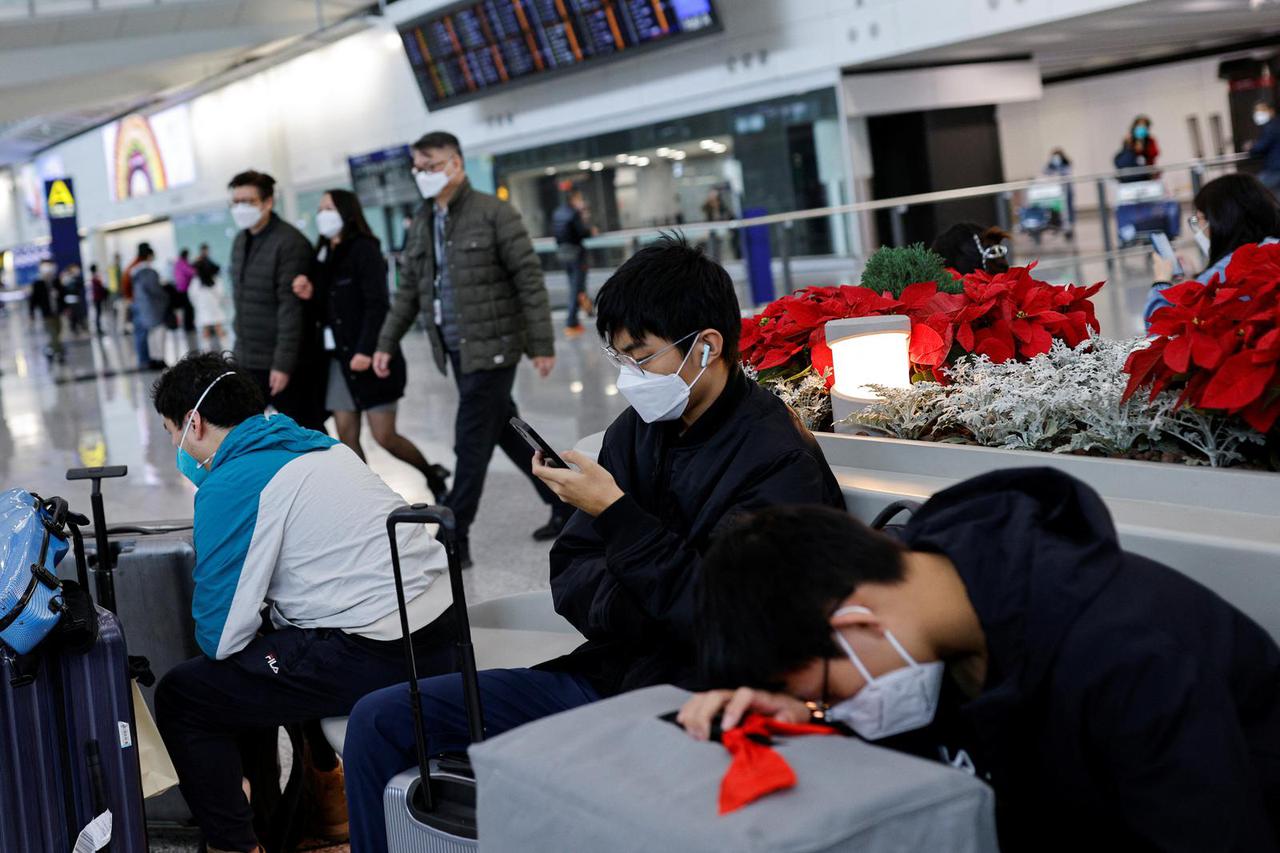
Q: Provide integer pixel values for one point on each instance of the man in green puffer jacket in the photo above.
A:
(470, 265)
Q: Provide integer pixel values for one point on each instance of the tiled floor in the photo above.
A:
(95, 410)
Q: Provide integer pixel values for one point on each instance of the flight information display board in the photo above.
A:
(474, 48)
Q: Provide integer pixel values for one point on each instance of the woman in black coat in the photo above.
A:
(348, 280)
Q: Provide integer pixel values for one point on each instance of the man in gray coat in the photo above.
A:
(278, 338)
(469, 263)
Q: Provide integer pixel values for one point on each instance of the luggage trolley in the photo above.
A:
(1143, 208)
(1044, 210)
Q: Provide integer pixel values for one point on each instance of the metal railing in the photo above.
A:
(631, 239)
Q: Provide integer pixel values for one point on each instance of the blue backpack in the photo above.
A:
(32, 542)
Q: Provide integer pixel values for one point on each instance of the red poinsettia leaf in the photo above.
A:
(777, 357)
(1178, 354)
(1237, 383)
(1262, 417)
(964, 336)
(1039, 342)
(995, 347)
(1140, 365)
(1205, 350)
(915, 296)
(823, 365)
(927, 346)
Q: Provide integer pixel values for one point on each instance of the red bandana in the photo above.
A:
(756, 769)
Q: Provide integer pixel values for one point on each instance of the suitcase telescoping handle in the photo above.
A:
(106, 563)
(423, 514)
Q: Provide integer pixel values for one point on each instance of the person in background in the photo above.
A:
(1110, 701)
(1231, 211)
(205, 267)
(75, 299)
(700, 443)
(287, 522)
(46, 301)
(183, 273)
(967, 246)
(348, 282)
(569, 223)
(101, 298)
(150, 304)
(277, 340)
(208, 300)
(1059, 166)
(116, 275)
(470, 265)
(1138, 149)
(1267, 146)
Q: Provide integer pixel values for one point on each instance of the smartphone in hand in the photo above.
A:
(1160, 243)
(549, 457)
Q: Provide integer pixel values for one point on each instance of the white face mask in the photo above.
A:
(1261, 118)
(329, 223)
(660, 396)
(899, 701)
(430, 184)
(245, 215)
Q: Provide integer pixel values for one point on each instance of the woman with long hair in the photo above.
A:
(1231, 211)
(349, 281)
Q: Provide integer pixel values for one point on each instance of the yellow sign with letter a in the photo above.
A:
(61, 202)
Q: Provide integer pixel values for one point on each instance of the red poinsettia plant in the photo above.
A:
(1003, 316)
(1219, 342)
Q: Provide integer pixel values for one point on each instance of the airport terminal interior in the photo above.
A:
(916, 364)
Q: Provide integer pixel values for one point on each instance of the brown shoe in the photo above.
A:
(573, 331)
(585, 304)
(331, 803)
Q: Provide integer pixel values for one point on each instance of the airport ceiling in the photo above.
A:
(69, 65)
(75, 64)
(1144, 32)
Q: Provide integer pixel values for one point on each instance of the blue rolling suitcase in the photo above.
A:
(439, 816)
(67, 752)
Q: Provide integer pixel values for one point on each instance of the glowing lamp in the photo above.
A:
(867, 351)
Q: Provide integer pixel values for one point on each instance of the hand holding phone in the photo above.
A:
(549, 457)
(1160, 243)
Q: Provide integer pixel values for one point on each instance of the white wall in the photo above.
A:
(302, 119)
(1089, 118)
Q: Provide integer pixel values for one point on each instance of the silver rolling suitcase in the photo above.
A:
(439, 816)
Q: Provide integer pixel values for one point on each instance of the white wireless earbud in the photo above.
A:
(706, 354)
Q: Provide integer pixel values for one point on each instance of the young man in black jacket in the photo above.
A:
(1111, 702)
(700, 445)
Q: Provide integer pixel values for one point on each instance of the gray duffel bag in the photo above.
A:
(613, 776)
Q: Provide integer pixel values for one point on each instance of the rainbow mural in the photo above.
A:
(139, 167)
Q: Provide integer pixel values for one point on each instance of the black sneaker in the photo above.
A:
(552, 528)
(438, 482)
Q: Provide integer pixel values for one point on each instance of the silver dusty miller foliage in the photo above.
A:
(1066, 400)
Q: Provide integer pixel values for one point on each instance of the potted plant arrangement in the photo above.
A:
(1013, 362)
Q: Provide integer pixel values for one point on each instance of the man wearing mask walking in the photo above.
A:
(469, 263)
(277, 339)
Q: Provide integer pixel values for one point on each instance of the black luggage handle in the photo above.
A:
(106, 560)
(443, 516)
(887, 514)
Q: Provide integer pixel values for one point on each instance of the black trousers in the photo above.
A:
(207, 710)
(302, 399)
(485, 408)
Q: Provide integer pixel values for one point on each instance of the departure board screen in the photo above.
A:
(470, 49)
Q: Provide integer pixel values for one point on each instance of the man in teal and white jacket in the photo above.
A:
(295, 603)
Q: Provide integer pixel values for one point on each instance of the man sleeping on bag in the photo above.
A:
(1110, 701)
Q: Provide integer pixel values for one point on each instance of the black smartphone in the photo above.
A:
(537, 442)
